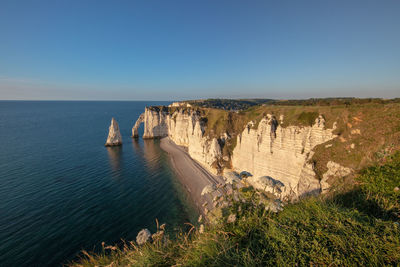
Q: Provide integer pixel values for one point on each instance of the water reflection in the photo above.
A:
(115, 158)
(136, 146)
(152, 153)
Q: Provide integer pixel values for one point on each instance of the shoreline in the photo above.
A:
(192, 175)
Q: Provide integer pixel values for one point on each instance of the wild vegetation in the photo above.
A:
(243, 104)
(228, 104)
(357, 226)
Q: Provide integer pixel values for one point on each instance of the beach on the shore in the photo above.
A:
(192, 175)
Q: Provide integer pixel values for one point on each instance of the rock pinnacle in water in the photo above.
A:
(114, 136)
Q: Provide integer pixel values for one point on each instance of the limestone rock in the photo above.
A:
(231, 218)
(231, 178)
(267, 184)
(135, 128)
(334, 170)
(282, 153)
(114, 136)
(155, 122)
(143, 236)
(274, 205)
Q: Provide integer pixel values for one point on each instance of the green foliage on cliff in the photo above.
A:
(228, 104)
(243, 104)
(357, 227)
(308, 118)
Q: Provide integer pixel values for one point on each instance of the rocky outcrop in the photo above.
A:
(135, 128)
(114, 136)
(281, 153)
(143, 237)
(278, 155)
(334, 170)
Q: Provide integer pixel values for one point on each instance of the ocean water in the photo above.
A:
(62, 191)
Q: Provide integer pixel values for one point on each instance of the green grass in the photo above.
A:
(358, 227)
(382, 184)
(308, 118)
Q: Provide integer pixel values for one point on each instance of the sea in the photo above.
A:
(62, 191)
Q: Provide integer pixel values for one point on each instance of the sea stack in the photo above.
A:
(114, 136)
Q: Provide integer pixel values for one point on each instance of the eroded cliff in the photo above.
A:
(114, 136)
(282, 153)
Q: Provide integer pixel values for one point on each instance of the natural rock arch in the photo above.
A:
(135, 128)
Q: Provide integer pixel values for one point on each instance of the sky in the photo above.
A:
(175, 50)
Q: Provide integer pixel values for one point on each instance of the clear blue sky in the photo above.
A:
(168, 50)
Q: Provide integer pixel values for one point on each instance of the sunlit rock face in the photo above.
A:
(155, 123)
(114, 136)
(334, 170)
(281, 153)
(135, 128)
(185, 129)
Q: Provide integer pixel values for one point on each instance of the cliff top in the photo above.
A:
(243, 104)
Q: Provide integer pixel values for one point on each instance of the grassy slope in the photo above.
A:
(359, 227)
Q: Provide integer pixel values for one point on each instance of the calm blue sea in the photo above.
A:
(62, 191)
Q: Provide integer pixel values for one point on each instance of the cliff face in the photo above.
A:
(281, 153)
(155, 123)
(269, 150)
(185, 129)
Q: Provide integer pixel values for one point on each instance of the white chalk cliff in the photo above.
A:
(280, 153)
(114, 136)
(135, 128)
